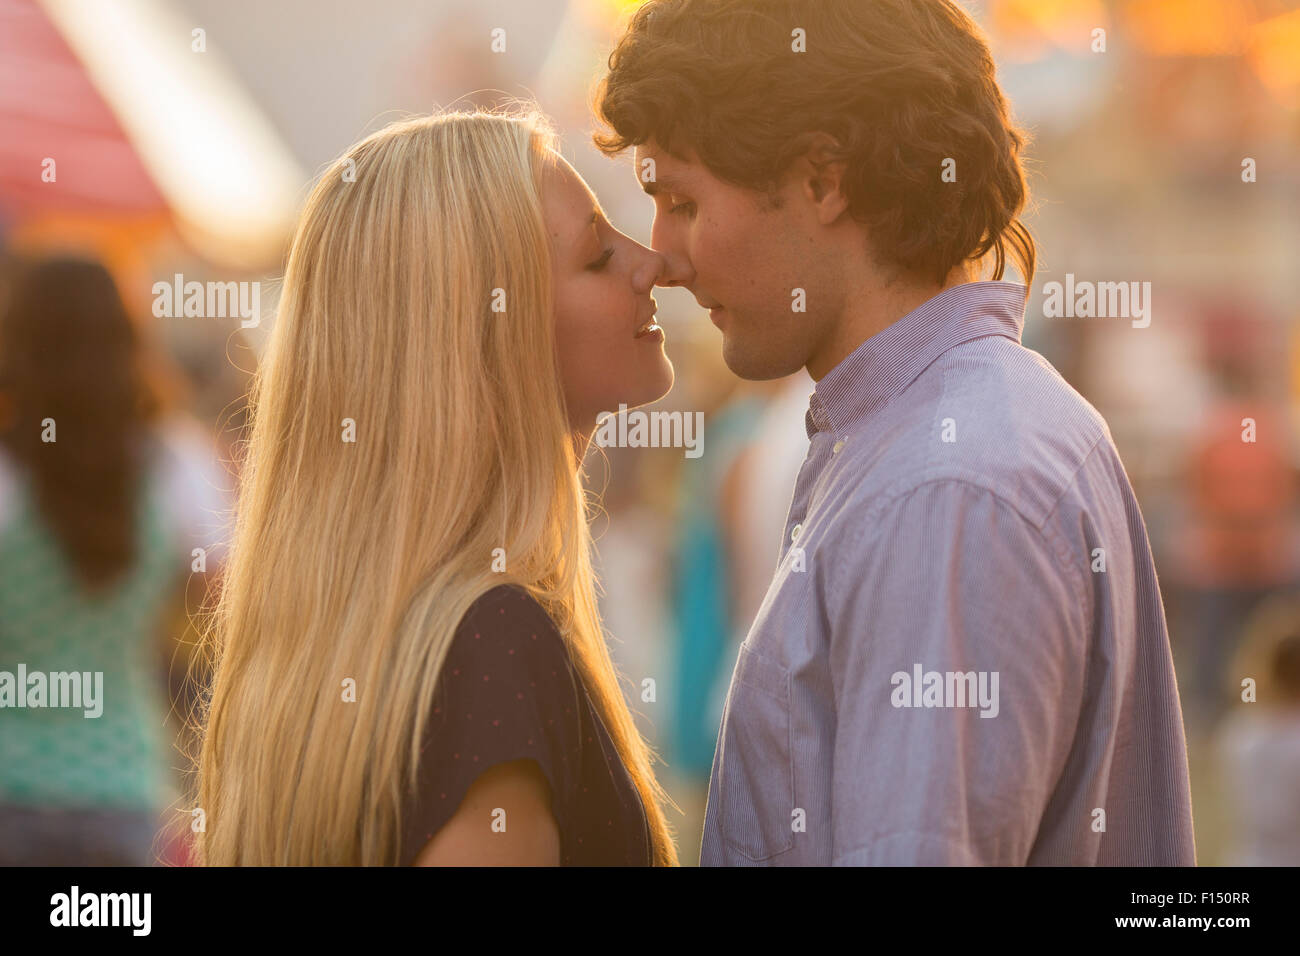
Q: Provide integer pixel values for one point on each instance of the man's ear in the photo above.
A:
(821, 171)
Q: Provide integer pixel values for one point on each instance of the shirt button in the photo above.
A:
(838, 445)
(794, 532)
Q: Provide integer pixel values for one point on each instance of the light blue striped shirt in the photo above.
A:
(962, 657)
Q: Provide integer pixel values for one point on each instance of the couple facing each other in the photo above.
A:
(938, 674)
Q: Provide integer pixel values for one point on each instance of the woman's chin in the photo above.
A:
(646, 395)
(657, 388)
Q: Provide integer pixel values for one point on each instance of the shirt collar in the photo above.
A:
(889, 361)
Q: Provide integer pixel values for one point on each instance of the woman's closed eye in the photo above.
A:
(679, 207)
(600, 263)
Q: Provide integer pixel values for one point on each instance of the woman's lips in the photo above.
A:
(649, 326)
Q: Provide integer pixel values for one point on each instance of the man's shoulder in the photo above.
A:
(992, 414)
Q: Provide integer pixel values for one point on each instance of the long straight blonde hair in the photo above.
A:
(354, 560)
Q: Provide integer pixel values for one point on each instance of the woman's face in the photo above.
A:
(610, 351)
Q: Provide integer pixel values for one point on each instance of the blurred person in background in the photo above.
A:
(100, 507)
(1239, 542)
(1258, 752)
(704, 587)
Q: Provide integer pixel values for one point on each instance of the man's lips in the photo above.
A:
(714, 308)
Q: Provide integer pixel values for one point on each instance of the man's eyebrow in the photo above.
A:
(652, 188)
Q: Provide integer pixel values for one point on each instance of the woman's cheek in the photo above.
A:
(603, 310)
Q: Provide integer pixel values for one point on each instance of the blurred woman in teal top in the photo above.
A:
(89, 557)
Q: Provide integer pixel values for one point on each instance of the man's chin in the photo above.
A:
(753, 366)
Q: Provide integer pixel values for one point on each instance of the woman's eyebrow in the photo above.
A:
(581, 241)
(579, 235)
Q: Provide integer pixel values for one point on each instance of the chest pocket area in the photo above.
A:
(757, 768)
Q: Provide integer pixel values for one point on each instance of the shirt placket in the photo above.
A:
(813, 466)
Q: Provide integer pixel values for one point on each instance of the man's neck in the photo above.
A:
(874, 309)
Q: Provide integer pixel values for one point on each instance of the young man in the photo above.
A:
(962, 658)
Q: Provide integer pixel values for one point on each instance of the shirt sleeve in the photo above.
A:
(506, 692)
(950, 580)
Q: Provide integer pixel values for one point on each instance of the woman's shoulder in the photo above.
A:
(509, 626)
(507, 609)
(506, 691)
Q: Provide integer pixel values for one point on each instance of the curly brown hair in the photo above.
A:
(901, 85)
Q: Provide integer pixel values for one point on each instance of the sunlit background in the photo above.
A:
(174, 161)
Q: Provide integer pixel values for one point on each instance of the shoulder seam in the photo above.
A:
(1050, 545)
(495, 597)
(1074, 473)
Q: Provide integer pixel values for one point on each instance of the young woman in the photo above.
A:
(409, 664)
(98, 516)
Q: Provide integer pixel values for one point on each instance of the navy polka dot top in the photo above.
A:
(508, 690)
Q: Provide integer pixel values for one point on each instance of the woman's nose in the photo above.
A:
(649, 271)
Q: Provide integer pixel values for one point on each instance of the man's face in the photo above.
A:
(743, 258)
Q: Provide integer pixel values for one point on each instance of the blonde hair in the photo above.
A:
(358, 560)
